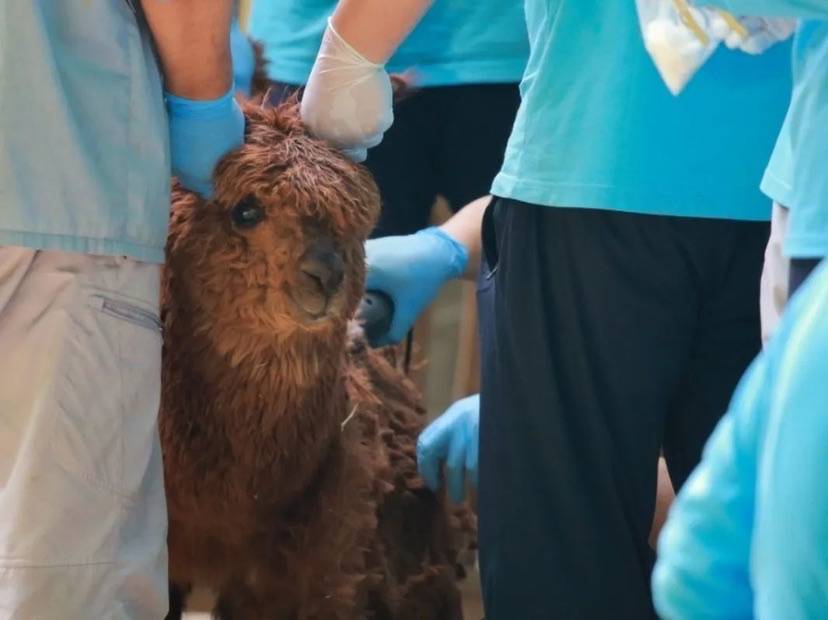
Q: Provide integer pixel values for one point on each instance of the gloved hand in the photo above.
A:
(762, 33)
(244, 60)
(201, 133)
(348, 99)
(411, 270)
(451, 439)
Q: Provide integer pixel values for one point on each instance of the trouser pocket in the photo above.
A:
(107, 396)
(489, 243)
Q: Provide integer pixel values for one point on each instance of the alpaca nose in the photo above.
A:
(323, 266)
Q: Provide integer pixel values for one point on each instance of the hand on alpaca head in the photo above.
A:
(348, 99)
(201, 133)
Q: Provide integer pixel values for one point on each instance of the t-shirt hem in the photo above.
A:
(82, 245)
(805, 246)
(614, 198)
(776, 189)
(795, 244)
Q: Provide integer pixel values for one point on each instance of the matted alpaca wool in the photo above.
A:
(289, 446)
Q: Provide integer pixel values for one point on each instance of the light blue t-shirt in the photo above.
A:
(84, 157)
(746, 536)
(597, 127)
(797, 175)
(457, 42)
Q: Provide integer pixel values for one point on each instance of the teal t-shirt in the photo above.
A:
(597, 127)
(457, 42)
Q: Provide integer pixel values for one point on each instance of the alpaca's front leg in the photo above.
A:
(271, 602)
(238, 602)
(178, 597)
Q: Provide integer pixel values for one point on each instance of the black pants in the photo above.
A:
(445, 140)
(799, 271)
(607, 337)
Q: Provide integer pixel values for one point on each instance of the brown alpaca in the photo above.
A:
(289, 446)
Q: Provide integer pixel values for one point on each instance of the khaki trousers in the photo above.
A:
(82, 507)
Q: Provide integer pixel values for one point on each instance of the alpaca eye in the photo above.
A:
(247, 214)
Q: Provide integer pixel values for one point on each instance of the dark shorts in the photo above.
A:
(606, 337)
(799, 271)
(447, 141)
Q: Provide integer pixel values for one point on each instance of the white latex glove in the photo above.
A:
(348, 99)
(763, 33)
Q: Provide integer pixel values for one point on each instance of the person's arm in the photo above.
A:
(412, 269)
(465, 227)
(790, 566)
(703, 567)
(375, 28)
(348, 98)
(193, 42)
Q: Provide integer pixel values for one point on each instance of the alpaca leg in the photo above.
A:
(292, 594)
(178, 597)
(433, 595)
(237, 602)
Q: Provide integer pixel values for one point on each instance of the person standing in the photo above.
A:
(746, 536)
(86, 153)
(626, 244)
(794, 178)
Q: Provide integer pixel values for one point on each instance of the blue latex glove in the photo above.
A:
(201, 133)
(411, 270)
(451, 439)
(244, 60)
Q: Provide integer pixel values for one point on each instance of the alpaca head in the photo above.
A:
(276, 257)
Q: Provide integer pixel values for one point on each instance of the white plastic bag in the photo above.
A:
(760, 33)
(679, 38)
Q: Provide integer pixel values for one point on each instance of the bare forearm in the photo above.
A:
(465, 227)
(375, 28)
(193, 41)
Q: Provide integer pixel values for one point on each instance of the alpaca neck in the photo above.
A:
(278, 404)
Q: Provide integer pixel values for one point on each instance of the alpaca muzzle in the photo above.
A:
(322, 271)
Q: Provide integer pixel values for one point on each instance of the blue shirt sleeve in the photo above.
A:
(746, 536)
(704, 548)
(806, 9)
(789, 564)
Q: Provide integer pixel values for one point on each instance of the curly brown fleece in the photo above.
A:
(275, 505)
